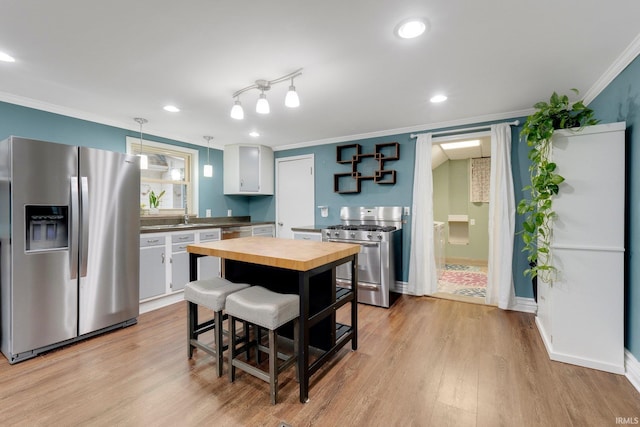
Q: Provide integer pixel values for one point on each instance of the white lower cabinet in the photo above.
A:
(208, 266)
(267, 230)
(164, 264)
(307, 235)
(153, 276)
(180, 260)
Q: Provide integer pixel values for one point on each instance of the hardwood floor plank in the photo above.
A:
(422, 362)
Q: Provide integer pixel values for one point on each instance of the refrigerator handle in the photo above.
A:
(84, 244)
(75, 214)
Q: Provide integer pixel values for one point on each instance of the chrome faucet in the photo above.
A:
(186, 206)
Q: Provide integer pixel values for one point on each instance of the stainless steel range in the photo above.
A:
(378, 230)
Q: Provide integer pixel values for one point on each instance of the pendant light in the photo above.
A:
(208, 168)
(144, 161)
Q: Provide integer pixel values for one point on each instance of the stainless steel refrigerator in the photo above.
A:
(69, 244)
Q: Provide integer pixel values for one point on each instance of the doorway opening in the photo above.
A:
(461, 168)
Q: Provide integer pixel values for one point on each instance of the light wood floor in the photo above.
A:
(423, 362)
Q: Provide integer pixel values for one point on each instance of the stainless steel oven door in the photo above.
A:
(368, 264)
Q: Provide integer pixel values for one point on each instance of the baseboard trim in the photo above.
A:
(632, 366)
(576, 360)
(163, 301)
(400, 287)
(525, 305)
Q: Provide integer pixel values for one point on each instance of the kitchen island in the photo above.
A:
(293, 266)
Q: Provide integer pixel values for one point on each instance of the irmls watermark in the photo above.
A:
(627, 420)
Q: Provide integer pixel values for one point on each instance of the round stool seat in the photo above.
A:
(211, 293)
(263, 307)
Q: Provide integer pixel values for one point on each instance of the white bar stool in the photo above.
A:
(210, 293)
(269, 310)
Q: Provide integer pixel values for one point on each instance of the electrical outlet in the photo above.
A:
(472, 221)
(207, 213)
(407, 210)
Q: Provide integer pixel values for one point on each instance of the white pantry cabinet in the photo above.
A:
(581, 312)
(248, 169)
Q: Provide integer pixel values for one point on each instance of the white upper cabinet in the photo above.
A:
(248, 169)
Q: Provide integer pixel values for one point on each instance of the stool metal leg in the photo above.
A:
(192, 324)
(232, 348)
(296, 344)
(273, 366)
(218, 341)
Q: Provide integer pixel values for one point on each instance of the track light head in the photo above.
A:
(292, 100)
(262, 106)
(236, 111)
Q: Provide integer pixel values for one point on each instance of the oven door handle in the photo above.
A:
(366, 245)
(370, 245)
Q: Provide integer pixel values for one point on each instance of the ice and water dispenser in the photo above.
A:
(46, 227)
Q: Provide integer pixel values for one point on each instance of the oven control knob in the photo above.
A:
(352, 234)
(328, 234)
(336, 233)
(369, 236)
(379, 236)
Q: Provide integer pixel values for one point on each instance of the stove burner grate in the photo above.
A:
(364, 227)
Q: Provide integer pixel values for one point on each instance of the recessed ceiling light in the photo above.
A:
(254, 134)
(171, 108)
(438, 98)
(6, 57)
(411, 28)
(460, 144)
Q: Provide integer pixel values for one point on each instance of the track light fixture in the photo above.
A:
(262, 106)
(144, 161)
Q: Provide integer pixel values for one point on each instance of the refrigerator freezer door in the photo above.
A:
(43, 302)
(109, 291)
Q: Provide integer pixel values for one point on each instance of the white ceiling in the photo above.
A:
(440, 155)
(111, 61)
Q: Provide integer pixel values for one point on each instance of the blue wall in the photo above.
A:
(30, 123)
(400, 194)
(620, 101)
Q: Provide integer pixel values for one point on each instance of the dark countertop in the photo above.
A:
(316, 228)
(161, 225)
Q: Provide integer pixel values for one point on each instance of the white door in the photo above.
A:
(295, 194)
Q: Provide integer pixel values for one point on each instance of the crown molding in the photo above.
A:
(411, 129)
(626, 57)
(82, 115)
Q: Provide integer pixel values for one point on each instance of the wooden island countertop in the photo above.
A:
(299, 255)
(302, 267)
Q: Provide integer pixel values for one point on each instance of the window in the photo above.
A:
(171, 169)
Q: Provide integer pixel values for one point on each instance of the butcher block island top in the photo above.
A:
(299, 255)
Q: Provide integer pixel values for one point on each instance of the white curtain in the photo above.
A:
(423, 277)
(500, 290)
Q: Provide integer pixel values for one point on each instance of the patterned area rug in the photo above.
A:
(467, 280)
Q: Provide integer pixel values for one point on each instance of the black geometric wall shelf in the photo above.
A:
(345, 183)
